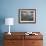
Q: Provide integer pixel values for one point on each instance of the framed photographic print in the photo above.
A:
(27, 15)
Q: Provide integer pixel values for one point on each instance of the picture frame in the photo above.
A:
(27, 15)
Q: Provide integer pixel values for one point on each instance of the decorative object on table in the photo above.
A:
(9, 21)
(30, 33)
(27, 15)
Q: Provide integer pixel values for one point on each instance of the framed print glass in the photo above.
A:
(27, 15)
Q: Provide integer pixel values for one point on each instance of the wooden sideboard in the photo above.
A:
(20, 39)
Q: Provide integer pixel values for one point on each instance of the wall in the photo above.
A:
(9, 8)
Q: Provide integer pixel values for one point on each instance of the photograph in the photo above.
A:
(27, 15)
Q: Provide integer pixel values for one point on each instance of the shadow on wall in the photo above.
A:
(2, 21)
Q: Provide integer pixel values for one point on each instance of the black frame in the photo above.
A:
(27, 15)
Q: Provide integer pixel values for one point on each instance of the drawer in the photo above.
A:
(13, 43)
(37, 43)
(33, 43)
(28, 37)
(16, 37)
(9, 43)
